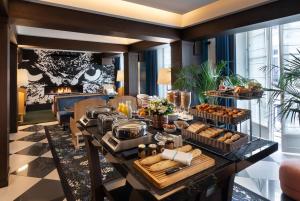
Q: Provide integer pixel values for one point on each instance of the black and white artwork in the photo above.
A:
(63, 68)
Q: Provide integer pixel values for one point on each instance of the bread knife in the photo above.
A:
(175, 169)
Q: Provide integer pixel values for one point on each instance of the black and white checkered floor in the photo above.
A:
(33, 175)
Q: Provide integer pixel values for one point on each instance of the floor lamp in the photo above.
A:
(22, 81)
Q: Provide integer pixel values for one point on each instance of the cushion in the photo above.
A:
(289, 175)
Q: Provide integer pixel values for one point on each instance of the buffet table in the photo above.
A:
(215, 183)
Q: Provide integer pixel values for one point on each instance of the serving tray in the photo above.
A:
(214, 142)
(161, 180)
(221, 119)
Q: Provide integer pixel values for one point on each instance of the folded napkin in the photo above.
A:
(178, 156)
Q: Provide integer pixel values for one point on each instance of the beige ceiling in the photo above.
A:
(175, 6)
(50, 33)
(166, 14)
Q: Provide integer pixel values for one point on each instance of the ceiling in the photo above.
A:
(171, 13)
(50, 33)
(175, 6)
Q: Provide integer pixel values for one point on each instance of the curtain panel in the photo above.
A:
(150, 59)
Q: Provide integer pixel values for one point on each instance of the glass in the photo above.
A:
(177, 100)
(186, 99)
(170, 96)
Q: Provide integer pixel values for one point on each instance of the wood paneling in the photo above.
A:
(131, 73)
(54, 43)
(13, 128)
(50, 17)
(143, 45)
(4, 100)
(277, 12)
(3, 8)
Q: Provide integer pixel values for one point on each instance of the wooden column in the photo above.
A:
(4, 101)
(13, 89)
(182, 54)
(131, 73)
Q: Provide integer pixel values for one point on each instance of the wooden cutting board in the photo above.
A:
(161, 180)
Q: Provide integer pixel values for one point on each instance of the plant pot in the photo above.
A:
(158, 121)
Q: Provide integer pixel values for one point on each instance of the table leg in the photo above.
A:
(227, 188)
(95, 170)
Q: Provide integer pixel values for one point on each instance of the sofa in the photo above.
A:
(65, 104)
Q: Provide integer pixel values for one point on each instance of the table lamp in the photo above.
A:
(22, 82)
(22, 77)
(164, 76)
(120, 78)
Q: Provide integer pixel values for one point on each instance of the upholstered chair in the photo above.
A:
(79, 110)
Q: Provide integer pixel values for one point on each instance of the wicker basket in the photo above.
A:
(214, 142)
(221, 119)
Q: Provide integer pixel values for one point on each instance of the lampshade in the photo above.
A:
(164, 76)
(120, 76)
(22, 77)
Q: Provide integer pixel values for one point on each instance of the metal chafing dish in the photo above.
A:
(90, 117)
(129, 129)
(105, 121)
(127, 134)
(93, 112)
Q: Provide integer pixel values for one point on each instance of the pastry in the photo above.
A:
(228, 135)
(235, 137)
(228, 141)
(196, 127)
(222, 139)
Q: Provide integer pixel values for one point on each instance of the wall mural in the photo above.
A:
(62, 68)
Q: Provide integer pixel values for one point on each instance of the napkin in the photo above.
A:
(178, 156)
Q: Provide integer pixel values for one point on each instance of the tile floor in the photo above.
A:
(33, 175)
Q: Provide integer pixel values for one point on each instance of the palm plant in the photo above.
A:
(288, 88)
(200, 79)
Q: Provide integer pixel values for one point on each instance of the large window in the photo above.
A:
(267, 47)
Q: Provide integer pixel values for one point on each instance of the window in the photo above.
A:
(163, 61)
(267, 47)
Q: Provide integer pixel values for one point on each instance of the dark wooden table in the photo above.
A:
(215, 183)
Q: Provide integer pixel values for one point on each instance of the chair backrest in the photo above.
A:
(81, 106)
(119, 99)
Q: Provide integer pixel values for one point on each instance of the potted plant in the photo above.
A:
(200, 79)
(288, 88)
(158, 109)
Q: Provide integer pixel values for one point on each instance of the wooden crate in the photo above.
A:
(214, 142)
(161, 180)
(227, 120)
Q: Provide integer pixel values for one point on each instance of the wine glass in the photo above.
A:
(186, 99)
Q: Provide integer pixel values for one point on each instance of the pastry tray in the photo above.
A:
(221, 119)
(213, 142)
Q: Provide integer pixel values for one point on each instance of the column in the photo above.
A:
(4, 101)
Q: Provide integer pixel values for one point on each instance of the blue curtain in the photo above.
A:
(150, 59)
(225, 52)
(203, 51)
(117, 67)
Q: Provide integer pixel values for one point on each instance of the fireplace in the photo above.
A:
(54, 90)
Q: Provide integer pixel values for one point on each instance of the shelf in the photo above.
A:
(233, 97)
